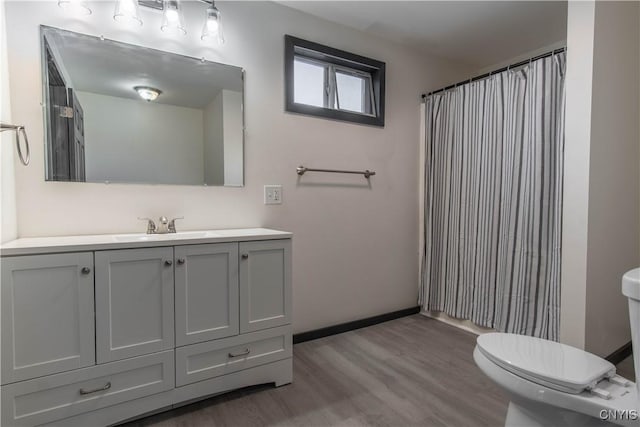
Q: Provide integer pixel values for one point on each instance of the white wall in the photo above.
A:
(355, 244)
(127, 140)
(601, 226)
(137, 141)
(523, 57)
(580, 36)
(8, 229)
(232, 111)
(214, 142)
(614, 181)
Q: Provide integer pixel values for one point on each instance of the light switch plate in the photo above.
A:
(273, 194)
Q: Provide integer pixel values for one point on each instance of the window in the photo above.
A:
(331, 83)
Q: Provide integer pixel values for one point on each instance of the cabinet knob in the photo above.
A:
(168, 262)
(180, 261)
(85, 270)
(245, 256)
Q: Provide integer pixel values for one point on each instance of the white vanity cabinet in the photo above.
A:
(134, 302)
(265, 284)
(260, 333)
(47, 315)
(96, 330)
(206, 292)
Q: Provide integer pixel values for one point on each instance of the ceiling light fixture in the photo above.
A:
(148, 93)
(127, 11)
(172, 18)
(76, 6)
(212, 29)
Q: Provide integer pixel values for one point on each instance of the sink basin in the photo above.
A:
(143, 237)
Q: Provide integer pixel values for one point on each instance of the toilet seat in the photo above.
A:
(550, 406)
(550, 364)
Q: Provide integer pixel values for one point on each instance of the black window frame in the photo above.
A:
(295, 46)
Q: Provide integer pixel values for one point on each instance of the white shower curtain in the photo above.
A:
(493, 199)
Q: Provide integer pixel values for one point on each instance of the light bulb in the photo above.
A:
(212, 29)
(172, 19)
(172, 16)
(127, 11)
(148, 93)
(75, 6)
(212, 25)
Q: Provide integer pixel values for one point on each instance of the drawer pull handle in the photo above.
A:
(181, 261)
(85, 270)
(245, 256)
(107, 386)
(168, 263)
(244, 353)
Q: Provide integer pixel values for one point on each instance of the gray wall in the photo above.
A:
(614, 181)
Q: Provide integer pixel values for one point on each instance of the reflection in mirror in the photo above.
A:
(116, 112)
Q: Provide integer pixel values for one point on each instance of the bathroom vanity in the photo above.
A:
(100, 329)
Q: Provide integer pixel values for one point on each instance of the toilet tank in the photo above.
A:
(631, 289)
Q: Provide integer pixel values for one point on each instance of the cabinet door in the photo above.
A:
(47, 315)
(265, 284)
(206, 292)
(134, 302)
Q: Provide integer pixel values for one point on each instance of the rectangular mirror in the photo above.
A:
(120, 113)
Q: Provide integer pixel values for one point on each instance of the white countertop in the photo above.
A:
(48, 245)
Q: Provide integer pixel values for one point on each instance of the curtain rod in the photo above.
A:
(499, 70)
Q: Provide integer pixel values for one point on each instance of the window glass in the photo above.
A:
(309, 84)
(352, 93)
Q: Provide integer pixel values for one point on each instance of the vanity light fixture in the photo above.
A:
(127, 11)
(172, 18)
(76, 6)
(148, 93)
(212, 29)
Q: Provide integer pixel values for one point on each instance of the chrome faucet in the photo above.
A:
(164, 226)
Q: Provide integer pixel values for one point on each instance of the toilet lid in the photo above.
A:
(631, 284)
(544, 362)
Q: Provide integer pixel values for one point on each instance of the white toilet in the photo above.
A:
(552, 384)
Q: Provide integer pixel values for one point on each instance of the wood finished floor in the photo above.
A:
(625, 369)
(409, 371)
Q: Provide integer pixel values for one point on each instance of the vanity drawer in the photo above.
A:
(210, 359)
(55, 397)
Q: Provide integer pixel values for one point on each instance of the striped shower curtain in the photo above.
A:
(493, 200)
